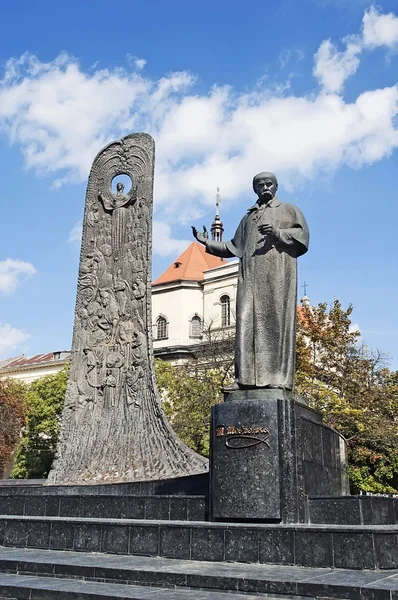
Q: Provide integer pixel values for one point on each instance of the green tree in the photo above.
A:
(12, 417)
(187, 398)
(43, 404)
(354, 390)
(189, 390)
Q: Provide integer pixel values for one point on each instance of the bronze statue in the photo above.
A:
(268, 241)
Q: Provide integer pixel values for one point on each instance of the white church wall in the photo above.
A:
(219, 282)
(178, 302)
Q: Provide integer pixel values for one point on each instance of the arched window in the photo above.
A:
(196, 326)
(161, 328)
(225, 311)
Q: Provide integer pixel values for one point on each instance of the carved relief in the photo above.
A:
(113, 427)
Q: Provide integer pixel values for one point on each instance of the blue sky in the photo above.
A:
(307, 89)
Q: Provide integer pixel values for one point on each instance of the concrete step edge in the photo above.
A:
(71, 589)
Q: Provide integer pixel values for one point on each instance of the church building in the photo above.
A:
(197, 291)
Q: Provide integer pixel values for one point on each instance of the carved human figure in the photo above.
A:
(109, 312)
(92, 217)
(139, 289)
(118, 205)
(268, 241)
(134, 377)
(109, 387)
(121, 288)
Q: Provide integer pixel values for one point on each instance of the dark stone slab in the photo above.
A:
(175, 542)
(312, 442)
(277, 546)
(61, 537)
(52, 506)
(352, 510)
(16, 533)
(133, 508)
(157, 508)
(76, 571)
(191, 485)
(207, 544)
(69, 506)
(39, 534)
(178, 509)
(313, 549)
(35, 505)
(341, 511)
(386, 550)
(144, 540)
(241, 546)
(378, 511)
(2, 530)
(243, 465)
(198, 509)
(115, 539)
(12, 505)
(87, 538)
(353, 551)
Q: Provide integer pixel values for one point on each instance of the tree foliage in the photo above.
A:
(190, 390)
(12, 417)
(355, 391)
(43, 404)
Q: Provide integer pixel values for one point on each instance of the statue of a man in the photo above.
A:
(268, 241)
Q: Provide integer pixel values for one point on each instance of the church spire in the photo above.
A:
(217, 226)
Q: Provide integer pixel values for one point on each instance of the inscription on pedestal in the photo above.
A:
(244, 460)
(238, 438)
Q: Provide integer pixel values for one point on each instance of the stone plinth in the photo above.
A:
(265, 447)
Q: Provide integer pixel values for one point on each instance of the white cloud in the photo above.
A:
(379, 29)
(11, 338)
(140, 63)
(332, 67)
(75, 234)
(163, 243)
(136, 62)
(61, 116)
(12, 272)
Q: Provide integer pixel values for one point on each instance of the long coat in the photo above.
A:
(266, 304)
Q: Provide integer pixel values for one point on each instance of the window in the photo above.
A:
(161, 328)
(225, 311)
(196, 326)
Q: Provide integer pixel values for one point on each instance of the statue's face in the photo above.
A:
(265, 186)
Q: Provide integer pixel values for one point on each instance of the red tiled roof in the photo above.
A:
(37, 359)
(191, 265)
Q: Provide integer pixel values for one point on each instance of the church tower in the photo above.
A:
(217, 227)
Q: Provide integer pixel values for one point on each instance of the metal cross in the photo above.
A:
(304, 286)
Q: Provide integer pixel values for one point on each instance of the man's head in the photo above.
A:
(120, 187)
(265, 185)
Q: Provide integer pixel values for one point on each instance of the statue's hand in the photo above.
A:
(269, 231)
(201, 237)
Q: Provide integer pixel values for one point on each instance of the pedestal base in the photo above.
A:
(268, 452)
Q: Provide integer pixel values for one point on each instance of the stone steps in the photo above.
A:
(17, 587)
(339, 546)
(182, 508)
(96, 575)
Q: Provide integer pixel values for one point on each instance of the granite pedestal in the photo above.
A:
(269, 451)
